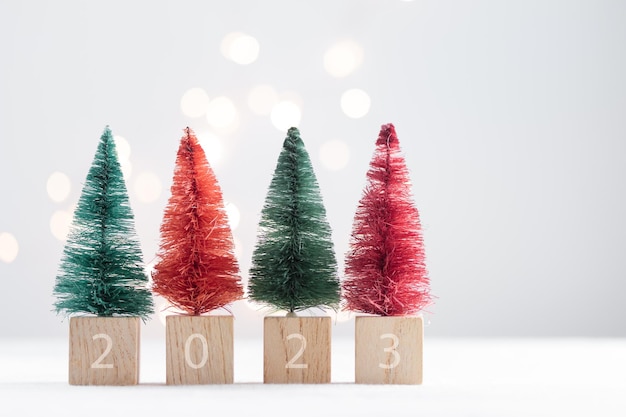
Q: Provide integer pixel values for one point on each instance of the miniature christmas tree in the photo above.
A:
(293, 263)
(196, 269)
(101, 270)
(385, 267)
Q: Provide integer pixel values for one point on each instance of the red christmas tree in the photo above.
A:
(196, 268)
(385, 266)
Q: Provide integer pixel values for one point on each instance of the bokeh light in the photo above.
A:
(285, 114)
(127, 169)
(60, 223)
(343, 58)
(340, 316)
(234, 215)
(122, 147)
(163, 308)
(334, 155)
(355, 103)
(222, 114)
(238, 247)
(9, 247)
(212, 146)
(262, 98)
(147, 187)
(123, 154)
(240, 48)
(194, 102)
(58, 187)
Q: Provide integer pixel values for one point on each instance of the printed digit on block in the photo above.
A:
(291, 364)
(97, 364)
(205, 351)
(391, 349)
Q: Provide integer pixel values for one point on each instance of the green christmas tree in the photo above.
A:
(293, 263)
(101, 269)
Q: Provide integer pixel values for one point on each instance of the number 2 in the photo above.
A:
(97, 363)
(391, 349)
(291, 363)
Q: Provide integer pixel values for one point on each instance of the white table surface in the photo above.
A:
(462, 377)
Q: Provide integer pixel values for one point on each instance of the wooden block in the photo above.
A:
(388, 350)
(104, 351)
(199, 350)
(296, 350)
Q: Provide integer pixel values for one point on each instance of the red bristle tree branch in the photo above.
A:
(385, 270)
(196, 268)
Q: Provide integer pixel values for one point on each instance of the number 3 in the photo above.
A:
(391, 349)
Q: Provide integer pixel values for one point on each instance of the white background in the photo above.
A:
(462, 377)
(511, 115)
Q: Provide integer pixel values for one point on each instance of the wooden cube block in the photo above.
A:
(296, 350)
(104, 351)
(199, 350)
(388, 350)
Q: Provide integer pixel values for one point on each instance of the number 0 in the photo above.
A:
(205, 351)
(391, 349)
(97, 363)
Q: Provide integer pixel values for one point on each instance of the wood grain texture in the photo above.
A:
(104, 351)
(199, 350)
(296, 350)
(389, 350)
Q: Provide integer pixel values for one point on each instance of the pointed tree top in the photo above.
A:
(387, 135)
(292, 140)
(107, 137)
(293, 136)
(189, 138)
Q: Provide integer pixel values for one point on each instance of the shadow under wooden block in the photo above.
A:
(388, 350)
(104, 351)
(199, 350)
(296, 350)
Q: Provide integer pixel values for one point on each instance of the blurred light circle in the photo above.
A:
(334, 155)
(340, 316)
(262, 98)
(58, 186)
(343, 58)
(238, 247)
(9, 247)
(240, 48)
(147, 187)
(123, 148)
(123, 153)
(194, 102)
(221, 113)
(233, 213)
(60, 223)
(355, 103)
(212, 146)
(163, 308)
(285, 114)
(127, 169)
